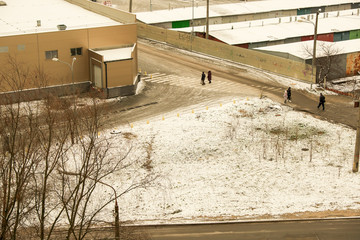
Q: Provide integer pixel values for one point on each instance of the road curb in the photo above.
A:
(242, 221)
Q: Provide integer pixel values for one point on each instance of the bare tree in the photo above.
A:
(88, 166)
(19, 153)
(47, 180)
(53, 146)
(19, 157)
(327, 63)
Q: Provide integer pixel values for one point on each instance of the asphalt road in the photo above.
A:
(157, 99)
(156, 57)
(341, 229)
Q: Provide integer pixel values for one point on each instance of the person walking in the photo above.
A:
(322, 101)
(289, 94)
(203, 78)
(209, 76)
(285, 96)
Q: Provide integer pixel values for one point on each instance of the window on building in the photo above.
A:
(21, 47)
(51, 54)
(76, 51)
(4, 49)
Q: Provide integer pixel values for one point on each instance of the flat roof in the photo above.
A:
(289, 27)
(115, 54)
(233, 9)
(299, 49)
(21, 16)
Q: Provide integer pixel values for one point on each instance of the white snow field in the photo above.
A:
(242, 158)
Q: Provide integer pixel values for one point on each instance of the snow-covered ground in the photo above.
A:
(238, 159)
(347, 84)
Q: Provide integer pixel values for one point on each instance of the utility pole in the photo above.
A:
(192, 19)
(357, 147)
(314, 48)
(130, 6)
(207, 19)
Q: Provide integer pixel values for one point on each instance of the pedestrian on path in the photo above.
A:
(203, 78)
(289, 94)
(322, 101)
(209, 76)
(285, 96)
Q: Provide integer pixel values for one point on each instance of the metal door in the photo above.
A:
(97, 76)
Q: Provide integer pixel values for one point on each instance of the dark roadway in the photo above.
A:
(156, 57)
(347, 229)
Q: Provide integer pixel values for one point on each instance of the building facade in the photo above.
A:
(73, 46)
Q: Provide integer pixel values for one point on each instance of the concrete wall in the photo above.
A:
(41, 93)
(115, 14)
(283, 55)
(256, 59)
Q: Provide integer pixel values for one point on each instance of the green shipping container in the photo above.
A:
(304, 11)
(341, 36)
(181, 24)
(354, 34)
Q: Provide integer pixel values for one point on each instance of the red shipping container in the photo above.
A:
(329, 37)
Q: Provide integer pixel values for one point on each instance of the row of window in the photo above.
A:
(5, 49)
(54, 53)
(48, 54)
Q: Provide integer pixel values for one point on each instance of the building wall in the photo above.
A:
(21, 49)
(353, 64)
(116, 76)
(112, 36)
(63, 41)
(29, 49)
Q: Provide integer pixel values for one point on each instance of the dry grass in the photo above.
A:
(129, 135)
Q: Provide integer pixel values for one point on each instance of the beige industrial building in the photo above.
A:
(73, 47)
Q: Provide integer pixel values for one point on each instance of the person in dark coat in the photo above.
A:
(209, 76)
(203, 78)
(322, 101)
(289, 94)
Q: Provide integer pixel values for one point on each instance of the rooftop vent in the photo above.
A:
(2, 3)
(61, 26)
